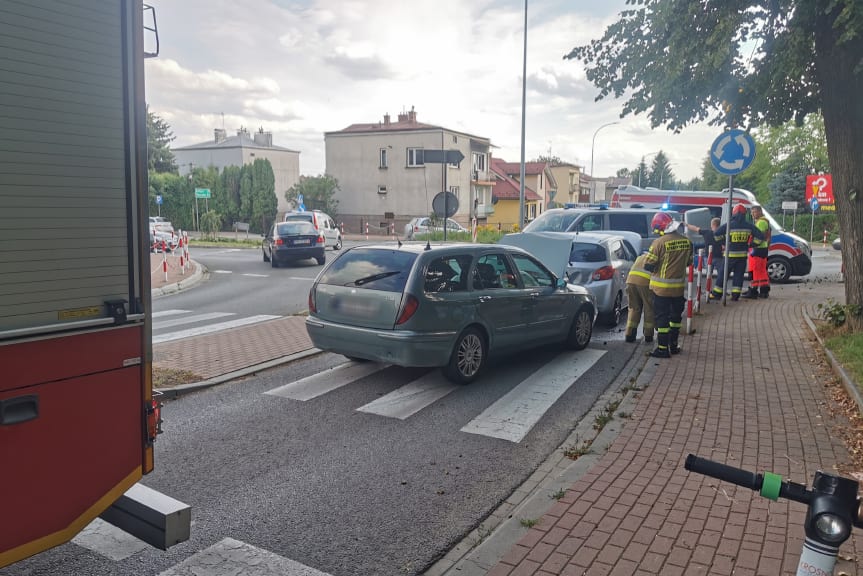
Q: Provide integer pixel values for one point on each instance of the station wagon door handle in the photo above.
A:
(535, 294)
(485, 298)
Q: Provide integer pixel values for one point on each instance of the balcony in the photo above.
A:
(481, 177)
(484, 210)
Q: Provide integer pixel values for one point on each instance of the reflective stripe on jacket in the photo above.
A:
(638, 274)
(667, 259)
(739, 234)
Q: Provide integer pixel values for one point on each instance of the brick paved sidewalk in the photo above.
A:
(637, 511)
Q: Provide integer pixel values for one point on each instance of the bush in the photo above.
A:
(836, 314)
(211, 223)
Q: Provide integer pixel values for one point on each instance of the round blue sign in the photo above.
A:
(732, 152)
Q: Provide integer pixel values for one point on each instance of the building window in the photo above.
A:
(479, 162)
(415, 157)
(384, 161)
(454, 138)
(454, 190)
(382, 189)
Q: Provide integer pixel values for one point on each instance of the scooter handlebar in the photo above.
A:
(723, 472)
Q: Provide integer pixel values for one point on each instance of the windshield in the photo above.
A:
(372, 268)
(552, 222)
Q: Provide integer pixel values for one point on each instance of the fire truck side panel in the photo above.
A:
(85, 441)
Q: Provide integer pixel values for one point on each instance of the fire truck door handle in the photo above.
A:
(19, 409)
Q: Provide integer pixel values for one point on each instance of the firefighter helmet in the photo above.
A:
(661, 221)
(739, 210)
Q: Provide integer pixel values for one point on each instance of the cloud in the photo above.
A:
(364, 68)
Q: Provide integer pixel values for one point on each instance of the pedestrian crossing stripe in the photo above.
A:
(411, 398)
(210, 328)
(190, 319)
(516, 413)
(326, 381)
(229, 557)
(164, 313)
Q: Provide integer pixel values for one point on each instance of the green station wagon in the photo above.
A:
(448, 306)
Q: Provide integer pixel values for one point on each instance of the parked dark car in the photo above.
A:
(449, 306)
(292, 241)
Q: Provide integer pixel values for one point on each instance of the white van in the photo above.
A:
(790, 255)
(324, 224)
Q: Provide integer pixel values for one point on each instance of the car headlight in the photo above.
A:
(803, 246)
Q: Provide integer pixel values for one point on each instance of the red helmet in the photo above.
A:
(739, 210)
(660, 222)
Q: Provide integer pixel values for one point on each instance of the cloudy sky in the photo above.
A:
(299, 68)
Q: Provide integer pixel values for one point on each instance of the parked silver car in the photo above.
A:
(599, 261)
(423, 225)
(450, 306)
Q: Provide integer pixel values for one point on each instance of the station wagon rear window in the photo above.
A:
(298, 227)
(586, 252)
(371, 268)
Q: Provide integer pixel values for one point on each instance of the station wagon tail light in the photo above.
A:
(279, 241)
(312, 307)
(604, 273)
(321, 240)
(408, 310)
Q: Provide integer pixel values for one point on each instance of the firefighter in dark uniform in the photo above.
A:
(741, 232)
(667, 260)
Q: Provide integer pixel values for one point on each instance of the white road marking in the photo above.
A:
(327, 381)
(190, 319)
(513, 415)
(169, 313)
(257, 275)
(230, 557)
(411, 398)
(300, 278)
(210, 328)
(223, 271)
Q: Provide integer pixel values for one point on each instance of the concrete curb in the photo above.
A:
(183, 284)
(482, 548)
(177, 391)
(847, 381)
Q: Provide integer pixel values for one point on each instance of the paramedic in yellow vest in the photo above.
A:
(667, 261)
(760, 285)
(640, 300)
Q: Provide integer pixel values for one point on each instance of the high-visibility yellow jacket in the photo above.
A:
(667, 259)
(638, 275)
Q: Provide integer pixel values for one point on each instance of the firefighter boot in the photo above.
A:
(661, 350)
(752, 293)
(648, 336)
(630, 333)
(673, 347)
(765, 292)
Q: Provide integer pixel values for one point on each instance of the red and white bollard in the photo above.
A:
(474, 227)
(698, 281)
(182, 265)
(393, 230)
(689, 300)
(342, 228)
(825, 238)
(367, 230)
(165, 265)
(709, 285)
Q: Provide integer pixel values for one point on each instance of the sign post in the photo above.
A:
(201, 193)
(731, 153)
(444, 157)
(813, 205)
(790, 205)
(159, 203)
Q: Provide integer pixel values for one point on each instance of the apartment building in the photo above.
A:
(384, 179)
(244, 148)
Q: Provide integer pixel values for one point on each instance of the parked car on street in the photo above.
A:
(451, 306)
(423, 225)
(322, 222)
(599, 261)
(837, 244)
(292, 241)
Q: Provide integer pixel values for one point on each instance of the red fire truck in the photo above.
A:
(77, 414)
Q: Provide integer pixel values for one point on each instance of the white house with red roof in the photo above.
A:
(384, 179)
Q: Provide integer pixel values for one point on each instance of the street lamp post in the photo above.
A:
(523, 112)
(594, 142)
(662, 173)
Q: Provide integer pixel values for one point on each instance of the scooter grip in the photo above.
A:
(723, 472)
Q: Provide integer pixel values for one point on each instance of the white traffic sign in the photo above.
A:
(789, 205)
(732, 152)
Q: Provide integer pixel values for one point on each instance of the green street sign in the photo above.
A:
(202, 192)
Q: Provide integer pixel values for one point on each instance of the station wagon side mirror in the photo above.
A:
(561, 283)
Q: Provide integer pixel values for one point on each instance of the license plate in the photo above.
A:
(301, 242)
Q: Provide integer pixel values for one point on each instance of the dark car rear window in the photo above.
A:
(552, 222)
(298, 227)
(301, 217)
(372, 268)
(585, 252)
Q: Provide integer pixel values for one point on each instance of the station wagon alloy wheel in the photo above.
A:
(581, 330)
(468, 357)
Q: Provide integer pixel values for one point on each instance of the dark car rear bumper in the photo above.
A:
(289, 253)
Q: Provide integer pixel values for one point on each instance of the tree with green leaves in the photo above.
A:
(743, 64)
(318, 193)
(160, 159)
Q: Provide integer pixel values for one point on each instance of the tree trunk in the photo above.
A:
(842, 101)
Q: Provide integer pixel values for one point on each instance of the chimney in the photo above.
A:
(263, 138)
(386, 119)
(412, 116)
(220, 135)
(403, 117)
